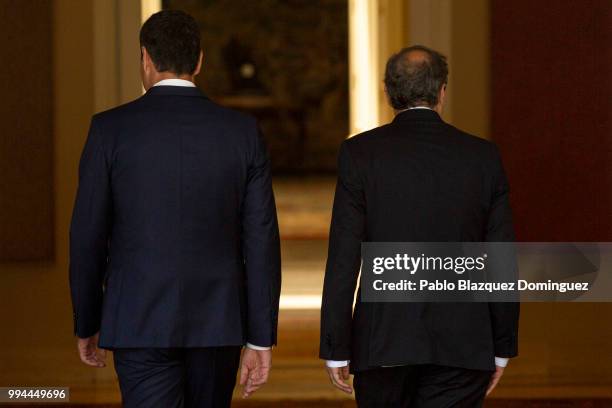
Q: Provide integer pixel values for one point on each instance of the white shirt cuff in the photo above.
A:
(258, 348)
(501, 362)
(336, 363)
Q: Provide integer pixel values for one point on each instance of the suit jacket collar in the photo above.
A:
(418, 115)
(175, 90)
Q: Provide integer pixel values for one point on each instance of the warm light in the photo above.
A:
(148, 7)
(364, 81)
(300, 302)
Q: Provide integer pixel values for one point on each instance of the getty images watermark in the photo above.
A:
(486, 272)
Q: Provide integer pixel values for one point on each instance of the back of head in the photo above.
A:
(172, 39)
(414, 77)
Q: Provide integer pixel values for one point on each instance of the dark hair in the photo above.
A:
(172, 39)
(414, 76)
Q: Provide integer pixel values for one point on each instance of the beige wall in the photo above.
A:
(460, 30)
(36, 343)
(391, 38)
(96, 58)
(469, 66)
(116, 52)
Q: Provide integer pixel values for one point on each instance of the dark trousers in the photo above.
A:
(421, 386)
(177, 377)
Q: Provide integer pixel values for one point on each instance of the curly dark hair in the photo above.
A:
(414, 76)
(172, 39)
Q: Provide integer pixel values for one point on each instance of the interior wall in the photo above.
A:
(392, 15)
(430, 24)
(552, 115)
(26, 145)
(37, 346)
(459, 29)
(469, 82)
(116, 50)
(551, 68)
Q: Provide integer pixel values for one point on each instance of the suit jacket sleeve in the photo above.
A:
(344, 260)
(261, 249)
(504, 315)
(89, 235)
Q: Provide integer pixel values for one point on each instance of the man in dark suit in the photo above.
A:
(174, 245)
(417, 179)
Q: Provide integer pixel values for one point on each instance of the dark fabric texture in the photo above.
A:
(416, 179)
(421, 386)
(174, 238)
(177, 377)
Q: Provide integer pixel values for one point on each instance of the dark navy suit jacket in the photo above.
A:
(174, 238)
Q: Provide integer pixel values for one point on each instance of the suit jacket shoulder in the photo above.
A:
(368, 145)
(114, 124)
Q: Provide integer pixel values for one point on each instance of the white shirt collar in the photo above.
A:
(419, 107)
(175, 82)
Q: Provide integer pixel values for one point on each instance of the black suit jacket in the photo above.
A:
(416, 179)
(174, 238)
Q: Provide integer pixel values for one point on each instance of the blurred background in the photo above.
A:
(534, 76)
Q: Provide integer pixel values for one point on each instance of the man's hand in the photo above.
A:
(338, 376)
(499, 371)
(90, 353)
(254, 370)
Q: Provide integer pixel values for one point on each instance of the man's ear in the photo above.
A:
(442, 97)
(145, 59)
(199, 66)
